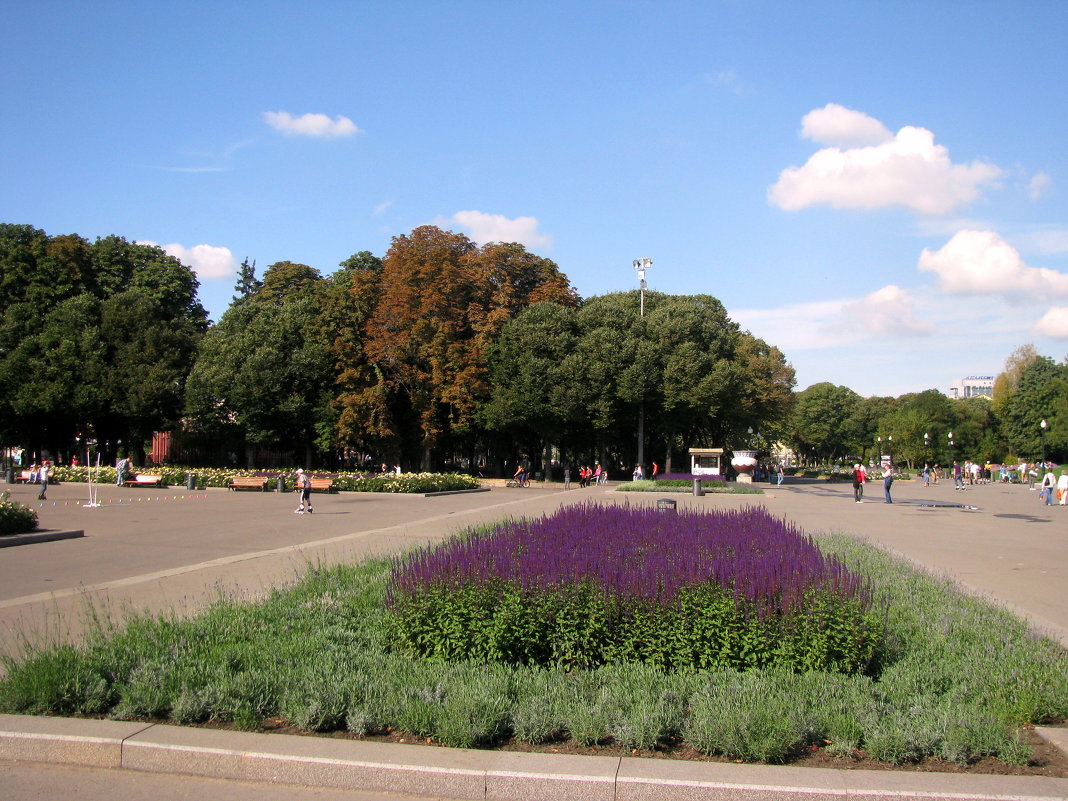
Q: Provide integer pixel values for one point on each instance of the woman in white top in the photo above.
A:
(1062, 487)
(1049, 481)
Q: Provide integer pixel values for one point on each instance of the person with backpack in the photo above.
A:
(304, 487)
(1049, 481)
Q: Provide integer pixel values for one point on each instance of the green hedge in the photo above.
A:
(220, 477)
(577, 626)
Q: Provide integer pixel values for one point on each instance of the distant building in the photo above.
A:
(973, 386)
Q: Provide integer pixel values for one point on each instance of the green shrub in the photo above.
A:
(15, 518)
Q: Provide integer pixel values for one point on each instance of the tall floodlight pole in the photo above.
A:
(641, 265)
(1042, 429)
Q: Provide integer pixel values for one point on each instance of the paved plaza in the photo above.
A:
(176, 549)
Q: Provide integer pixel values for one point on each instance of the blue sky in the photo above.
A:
(878, 188)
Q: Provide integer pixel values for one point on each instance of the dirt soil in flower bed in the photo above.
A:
(1046, 760)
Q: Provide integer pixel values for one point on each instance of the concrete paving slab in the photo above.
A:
(33, 781)
(69, 741)
(549, 777)
(307, 761)
(873, 785)
(1057, 737)
(658, 780)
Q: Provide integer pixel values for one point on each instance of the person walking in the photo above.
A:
(303, 486)
(958, 476)
(781, 474)
(1049, 481)
(858, 484)
(926, 475)
(888, 480)
(1062, 488)
(42, 476)
(120, 470)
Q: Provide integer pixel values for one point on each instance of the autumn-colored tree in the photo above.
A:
(441, 302)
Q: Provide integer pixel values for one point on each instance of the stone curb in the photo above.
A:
(441, 493)
(463, 774)
(10, 540)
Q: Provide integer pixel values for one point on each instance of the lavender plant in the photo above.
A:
(594, 585)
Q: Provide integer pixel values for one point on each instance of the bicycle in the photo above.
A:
(512, 482)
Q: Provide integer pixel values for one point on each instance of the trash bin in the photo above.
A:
(698, 490)
(665, 505)
(11, 475)
(281, 484)
(190, 481)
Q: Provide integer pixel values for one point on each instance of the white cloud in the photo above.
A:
(838, 125)
(982, 263)
(207, 261)
(383, 207)
(1054, 324)
(887, 313)
(483, 228)
(890, 311)
(726, 79)
(318, 125)
(908, 169)
(1039, 184)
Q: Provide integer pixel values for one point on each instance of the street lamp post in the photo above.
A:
(1042, 429)
(641, 265)
(890, 447)
(925, 459)
(951, 446)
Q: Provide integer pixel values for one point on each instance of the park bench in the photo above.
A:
(23, 477)
(247, 482)
(322, 484)
(144, 481)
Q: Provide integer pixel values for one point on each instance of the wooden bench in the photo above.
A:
(322, 484)
(247, 482)
(144, 481)
(23, 477)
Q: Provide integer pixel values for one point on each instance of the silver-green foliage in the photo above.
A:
(959, 680)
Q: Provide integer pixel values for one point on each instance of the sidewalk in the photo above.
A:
(176, 549)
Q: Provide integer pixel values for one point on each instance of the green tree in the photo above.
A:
(531, 398)
(53, 381)
(913, 415)
(819, 420)
(63, 298)
(261, 379)
(149, 357)
(1040, 395)
(247, 283)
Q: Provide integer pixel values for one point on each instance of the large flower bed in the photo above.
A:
(592, 585)
(344, 481)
